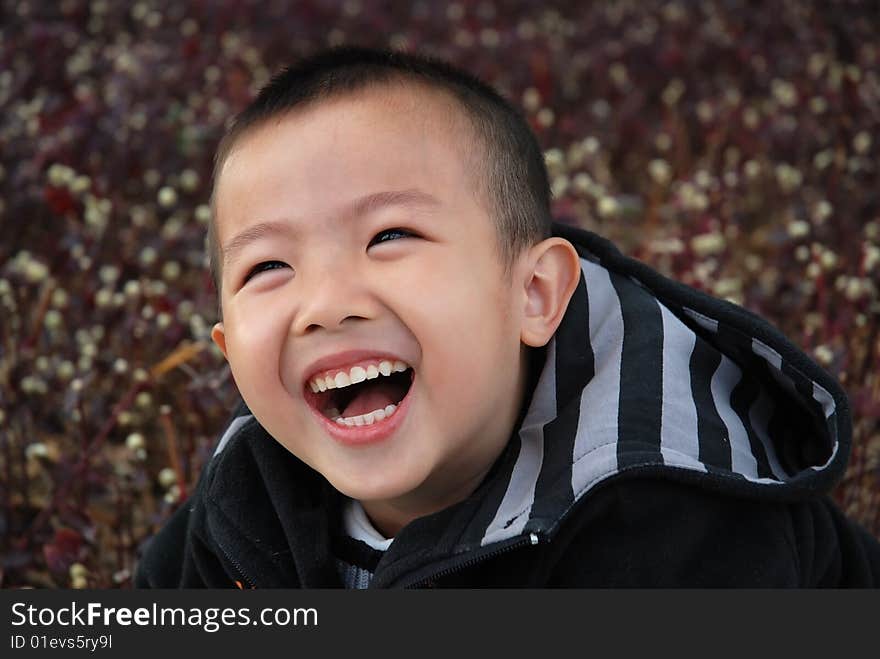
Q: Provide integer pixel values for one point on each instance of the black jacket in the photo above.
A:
(669, 439)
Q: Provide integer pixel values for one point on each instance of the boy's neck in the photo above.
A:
(388, 518)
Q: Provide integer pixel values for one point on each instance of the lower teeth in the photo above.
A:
(367, 419)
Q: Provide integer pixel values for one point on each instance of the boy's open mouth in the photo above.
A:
(361, 395)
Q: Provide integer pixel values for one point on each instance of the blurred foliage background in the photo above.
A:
(731, 144)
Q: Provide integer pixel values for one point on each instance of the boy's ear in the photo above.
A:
(219, 337)
(552, 273)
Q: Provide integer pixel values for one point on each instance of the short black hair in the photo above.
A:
(513, 178)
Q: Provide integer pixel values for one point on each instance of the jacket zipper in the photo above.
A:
(247, 581)
(531, 539)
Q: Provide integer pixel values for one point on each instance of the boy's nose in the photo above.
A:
(331, 301)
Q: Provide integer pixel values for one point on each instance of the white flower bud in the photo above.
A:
(167, 477)
(824, 355)
(828, 259)
(559, 186)
(59, 298)
(132, 288)
(703, 179)
(818, 105)
(80, 184)
(167, 197)
(36, 450)
(203, 213)
(35, 271)
(862, 142)
(822, 211)
(53, 319)
(172, 228)
(784, 92)
(58, 174)
(185, 310)
(157, 287)
(103, 297)
(673, 91)
(65, 370)
(659, 171)
(591, 145)
(798, 229)
(189, 180)
(135, 441)
(108, 274)
(147, 256)
(173, 494)
(872, 257)
(545, 117)
(531, 99)
(705, 112)
(608, 206)
(708, 243)
(171, 270)
(752, 169)
(788, 177)
(854, 289)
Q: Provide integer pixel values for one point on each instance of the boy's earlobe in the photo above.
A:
(553, 275)
(219, 337)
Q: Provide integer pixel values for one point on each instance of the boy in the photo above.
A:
(443, 388)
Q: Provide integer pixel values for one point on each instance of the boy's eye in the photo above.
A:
(389, 234)
(265, 265)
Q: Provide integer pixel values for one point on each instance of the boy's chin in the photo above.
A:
(381, 493)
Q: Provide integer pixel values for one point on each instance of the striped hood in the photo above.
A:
(646, 374)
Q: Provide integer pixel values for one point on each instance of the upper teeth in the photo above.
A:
(355, 374)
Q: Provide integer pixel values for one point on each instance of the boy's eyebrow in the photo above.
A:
(361, 206)
(373, 202)
(234, 247)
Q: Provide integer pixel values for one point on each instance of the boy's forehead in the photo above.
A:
(407, 114)
(414, 109)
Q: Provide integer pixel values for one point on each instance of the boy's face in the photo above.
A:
(338, 290)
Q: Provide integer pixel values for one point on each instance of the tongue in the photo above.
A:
(374, 396)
